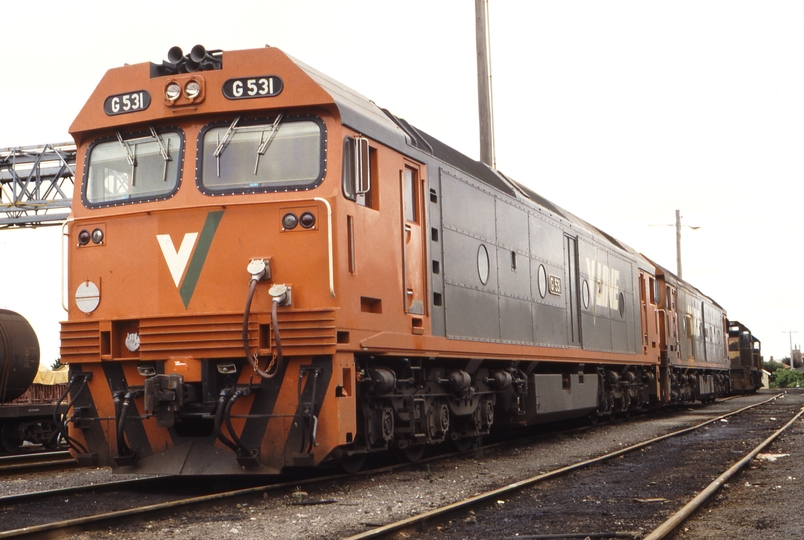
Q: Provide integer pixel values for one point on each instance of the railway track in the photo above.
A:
(562, 498)
(115, 501)
(160, 495)
(130, 494)
(156, 496)
(36, 462)
(94, 505)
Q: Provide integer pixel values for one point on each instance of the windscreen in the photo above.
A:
(276, 155)
(133, 167)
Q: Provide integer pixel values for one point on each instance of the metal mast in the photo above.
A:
(678, 243)
(484, 84)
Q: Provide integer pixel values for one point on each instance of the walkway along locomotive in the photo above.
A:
(266, 270)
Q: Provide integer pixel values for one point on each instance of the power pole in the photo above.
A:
(790, 333)
(678, 243)
(484, 84)
(678, 239)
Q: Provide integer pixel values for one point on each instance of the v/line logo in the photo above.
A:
(177, 260)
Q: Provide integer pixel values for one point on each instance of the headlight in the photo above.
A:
(173, 91)
(192, 89)
(289, 221)
(97, 236)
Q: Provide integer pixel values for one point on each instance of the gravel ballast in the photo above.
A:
(345, 507)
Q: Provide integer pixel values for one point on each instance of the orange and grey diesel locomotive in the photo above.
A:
(267, 270)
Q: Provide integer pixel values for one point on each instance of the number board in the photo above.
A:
(127, 103)
(555, 285)
(253, 87)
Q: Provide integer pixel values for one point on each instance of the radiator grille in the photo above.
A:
(303, 332)
(80, 342)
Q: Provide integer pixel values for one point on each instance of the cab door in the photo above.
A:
(572, 279)
(413, 251)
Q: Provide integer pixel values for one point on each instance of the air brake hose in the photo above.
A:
(219, 411)
(253, 357)
(277, 339)
(228, 419)
(61, 426)
(123, 448)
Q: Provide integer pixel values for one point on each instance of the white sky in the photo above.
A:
(619, 111)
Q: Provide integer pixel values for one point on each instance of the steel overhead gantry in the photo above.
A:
(36, 184)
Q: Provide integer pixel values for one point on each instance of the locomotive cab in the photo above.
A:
(212, 182)
(746, 358)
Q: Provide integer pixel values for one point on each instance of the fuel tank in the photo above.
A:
(19, 355)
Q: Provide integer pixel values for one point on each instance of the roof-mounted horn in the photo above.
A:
(199, 59)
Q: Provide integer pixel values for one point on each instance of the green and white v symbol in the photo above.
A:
(177, 260)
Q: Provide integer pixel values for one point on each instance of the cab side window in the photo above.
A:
(411, 195)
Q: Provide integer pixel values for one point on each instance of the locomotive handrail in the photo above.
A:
(329, 246)
(64, 239)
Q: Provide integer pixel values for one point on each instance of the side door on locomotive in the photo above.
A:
(385, 236)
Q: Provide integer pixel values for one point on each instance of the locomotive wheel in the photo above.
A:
(413, 453)
(488, 413)
(464, 444)
(438, 421)
(610, 406)
(352, 464)
(387, 423)
(444, 418)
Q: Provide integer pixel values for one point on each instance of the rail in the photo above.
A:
(457, 508)
(679, 517)
(90, 522)
(35, 462)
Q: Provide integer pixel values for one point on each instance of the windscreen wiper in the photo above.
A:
(223, 142)
(162, 150)
(264, 144)
(130, 157)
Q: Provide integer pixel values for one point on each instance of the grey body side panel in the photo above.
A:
(549, 310)
(526, 295)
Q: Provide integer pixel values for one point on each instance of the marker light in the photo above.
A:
(289, 221)
(192, 89)
(173, 91)
(97, 236)
(307, 220)
(83, 238)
